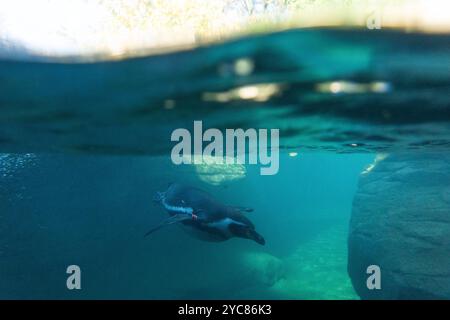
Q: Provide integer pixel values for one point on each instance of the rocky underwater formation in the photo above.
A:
(315, 270)
(401, 223)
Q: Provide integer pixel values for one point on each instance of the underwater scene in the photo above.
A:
(351, 200)
(94, 212)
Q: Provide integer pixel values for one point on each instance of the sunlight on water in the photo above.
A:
(256, 92)
(378, 158)
(337, 87)
(211, 172)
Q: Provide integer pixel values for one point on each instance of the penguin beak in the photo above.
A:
(255, 236)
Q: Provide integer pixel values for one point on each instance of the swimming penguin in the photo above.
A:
(204, 216)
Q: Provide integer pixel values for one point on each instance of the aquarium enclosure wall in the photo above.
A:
(227, 149)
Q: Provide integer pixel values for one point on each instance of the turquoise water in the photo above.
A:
(86, 146)
(93, 212)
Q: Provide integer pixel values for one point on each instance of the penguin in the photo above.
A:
(203, 216)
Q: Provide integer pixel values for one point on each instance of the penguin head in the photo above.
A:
(247, 232)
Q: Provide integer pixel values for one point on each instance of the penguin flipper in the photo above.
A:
(171, 220)
(242, 209)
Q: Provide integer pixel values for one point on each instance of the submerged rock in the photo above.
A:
(263, 268)
(401, 222)
(317, 269)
